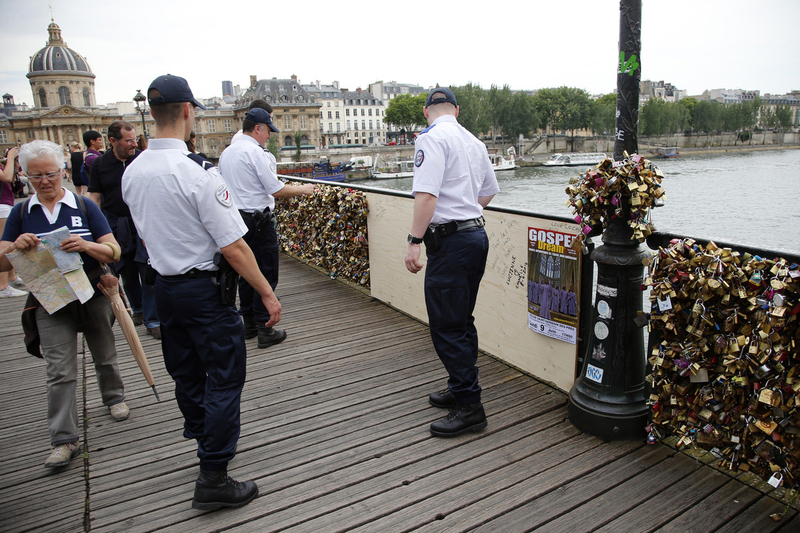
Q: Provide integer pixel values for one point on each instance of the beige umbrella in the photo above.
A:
(110, 287)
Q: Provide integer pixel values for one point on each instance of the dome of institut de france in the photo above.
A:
(59, 75)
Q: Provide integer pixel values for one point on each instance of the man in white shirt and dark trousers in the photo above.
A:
(453, 182)
(184, 213)
(251, 175)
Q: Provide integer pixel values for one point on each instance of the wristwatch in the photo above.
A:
(413, 240)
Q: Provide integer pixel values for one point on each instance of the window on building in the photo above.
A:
(348, 124)
(330, 127)
(338, 127)
(303, 122)
(330, 114)
(370, 124)
(226, 124)
(346, 111)
(212, 125)
(42, 98)
(369, 112)
(329, 104)
(363, 125)
(87, 102)
(63, 96)
(287, 141)
(3, 137)
(337, 114)
(287, 123)
(362, 112)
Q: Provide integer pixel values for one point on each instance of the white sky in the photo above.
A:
(527, 44)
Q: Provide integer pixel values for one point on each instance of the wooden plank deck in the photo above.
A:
(335, 432)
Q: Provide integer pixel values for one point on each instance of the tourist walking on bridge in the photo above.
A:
(453, 182)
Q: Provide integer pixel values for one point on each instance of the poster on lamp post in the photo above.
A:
(553, 282)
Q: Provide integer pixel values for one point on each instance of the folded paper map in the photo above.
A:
(55, 277)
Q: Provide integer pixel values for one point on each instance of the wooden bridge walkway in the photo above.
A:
(335, 432)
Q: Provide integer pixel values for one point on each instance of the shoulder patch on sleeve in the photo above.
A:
(224, 195)
(419, 158)
(205, 163)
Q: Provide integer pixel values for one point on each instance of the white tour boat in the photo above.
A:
(393, 169)
(501, 162)
(575, 160)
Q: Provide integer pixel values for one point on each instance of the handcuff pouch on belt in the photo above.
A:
(226, 280)
(263, 220)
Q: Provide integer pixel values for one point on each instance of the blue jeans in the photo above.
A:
(204, 352)
(452, 278)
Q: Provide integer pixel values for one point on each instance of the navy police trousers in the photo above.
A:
(204, 352)
(452, 278)
(265, 250)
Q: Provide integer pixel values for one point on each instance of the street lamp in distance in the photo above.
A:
(141, 108)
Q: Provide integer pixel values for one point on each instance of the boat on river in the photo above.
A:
(322, 170)
(384, 169)
(575, 160)
(667, 152)
(501, 162)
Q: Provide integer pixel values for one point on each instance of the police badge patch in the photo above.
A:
(224, 196)
(272, 167)
(419, 158)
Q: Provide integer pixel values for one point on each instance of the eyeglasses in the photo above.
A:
(36, 178)
(131, 142)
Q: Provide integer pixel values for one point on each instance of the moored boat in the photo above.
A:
(575, 160)
(383, 169)
(323, 170)
(501, 162)
(665, 152)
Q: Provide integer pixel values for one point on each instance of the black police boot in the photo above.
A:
(461, 419)
(250, 327)
(269, 336)
(444, 399)
(215, 490)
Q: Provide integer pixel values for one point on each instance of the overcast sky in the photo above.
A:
(693, 44)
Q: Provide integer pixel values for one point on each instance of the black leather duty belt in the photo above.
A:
(457, 225)
(194, 274)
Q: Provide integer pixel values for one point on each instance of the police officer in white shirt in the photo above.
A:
(251, 175)
(185, 214)
(453, 182)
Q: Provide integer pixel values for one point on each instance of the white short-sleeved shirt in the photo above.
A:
(251, 173)
(453, 165)
(182, 210)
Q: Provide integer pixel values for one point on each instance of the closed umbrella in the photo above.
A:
(110, 287)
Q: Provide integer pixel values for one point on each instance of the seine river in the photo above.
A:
(750, 198)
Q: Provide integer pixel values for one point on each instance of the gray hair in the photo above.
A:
(40, 149)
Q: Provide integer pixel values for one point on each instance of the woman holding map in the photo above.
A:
(52, 208)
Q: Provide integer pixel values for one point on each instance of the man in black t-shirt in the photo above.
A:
(105, 188)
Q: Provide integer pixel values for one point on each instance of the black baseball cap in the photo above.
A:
(448, 97)
(260, 116)
(173, 89)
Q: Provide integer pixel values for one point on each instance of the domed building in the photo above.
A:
(59, 75)
(64, 106)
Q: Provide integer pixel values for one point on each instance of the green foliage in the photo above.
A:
(783, 116)
(272, 146)
(604, 118)
(708, 116)
(405, 112)
(472, 113)
(659, 117)
(519, 118)
(564, 108)
(298, 141)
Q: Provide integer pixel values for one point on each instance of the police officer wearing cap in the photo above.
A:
(185, 214)
(251, 175)
(453, 182)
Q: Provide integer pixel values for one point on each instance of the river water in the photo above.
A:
(749, 198)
